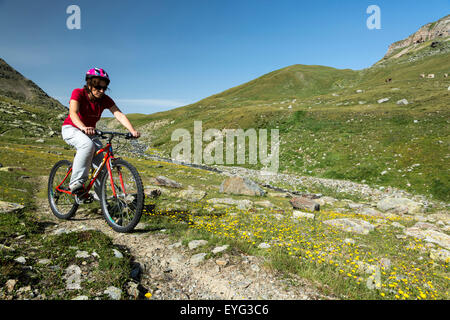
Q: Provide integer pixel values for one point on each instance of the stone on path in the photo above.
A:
(197, 258)
(219, 249)
(113, 293)
(196, 243)
(8, 207)
(73, 277)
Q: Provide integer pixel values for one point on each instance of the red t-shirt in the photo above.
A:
(89, 111)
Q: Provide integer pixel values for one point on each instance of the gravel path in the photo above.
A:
(169, 272)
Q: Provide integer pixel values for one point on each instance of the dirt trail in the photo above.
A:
(169, 273)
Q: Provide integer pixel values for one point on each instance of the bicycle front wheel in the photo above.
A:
(63, 205)
(122, 196)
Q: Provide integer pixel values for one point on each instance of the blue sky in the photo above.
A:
(162, 54)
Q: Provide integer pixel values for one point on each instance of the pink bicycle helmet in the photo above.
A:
(97, 73)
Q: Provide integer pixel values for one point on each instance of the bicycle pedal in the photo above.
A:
(84, 199)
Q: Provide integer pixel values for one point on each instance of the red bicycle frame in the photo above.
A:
(106, 160)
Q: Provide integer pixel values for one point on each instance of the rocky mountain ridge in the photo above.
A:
(437, 30)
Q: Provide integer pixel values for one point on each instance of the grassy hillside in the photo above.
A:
(331, 124)
(26, 110)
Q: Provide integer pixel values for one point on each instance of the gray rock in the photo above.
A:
(219, 249)
(175, 245)
(113, 293)
(353, 205)
(264, 245)
(402, 102)
(82, 254)
(325, 200)
(21, 260)
(265, 204)
(164, 181)
(399, 205)
(197, 258)
(191, 194)
(304, 203)
(132, 289)
(351, 225)
(300, 214)
(117, 253)
(196, 243)
(9, 207)
(397, 225)
(429, 234)
(241, 185)
(440, 255)
(349, 241)
(240, 204)
(81, 298)
(385, 263)
(73, 277)
(367, 211)
(383, 100)
(10, 284)
(44, 261)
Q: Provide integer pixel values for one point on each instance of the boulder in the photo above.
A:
(196, 243)
(241, 185)
(304, 203)
(219, 249)
(240, 204)
(399, 205)
(368, 211)
(325, 201)
(163, 181)
(8, 207)
(351, 225)
(428, 233)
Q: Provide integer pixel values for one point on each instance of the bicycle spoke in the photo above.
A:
(121, 205)
(63, 205)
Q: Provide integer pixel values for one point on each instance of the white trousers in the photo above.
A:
(86, 148)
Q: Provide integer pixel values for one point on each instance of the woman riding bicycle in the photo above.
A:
(78, 129)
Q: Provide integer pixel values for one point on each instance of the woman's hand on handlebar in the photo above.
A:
(90, 131)
(136, 134)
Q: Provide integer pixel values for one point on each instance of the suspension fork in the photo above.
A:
(108, 166)
(122, 184)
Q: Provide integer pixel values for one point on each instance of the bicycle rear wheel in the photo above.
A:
(122, 210)
(63, 205)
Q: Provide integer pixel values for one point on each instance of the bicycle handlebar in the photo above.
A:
(112, 133)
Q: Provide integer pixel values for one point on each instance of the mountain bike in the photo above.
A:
(121, 191)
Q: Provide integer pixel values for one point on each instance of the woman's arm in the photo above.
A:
(74, 107)
(124, 121)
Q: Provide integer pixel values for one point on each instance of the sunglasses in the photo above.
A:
(98, 88)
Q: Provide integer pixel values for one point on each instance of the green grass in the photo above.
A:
(334, 136)
(26, 234)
